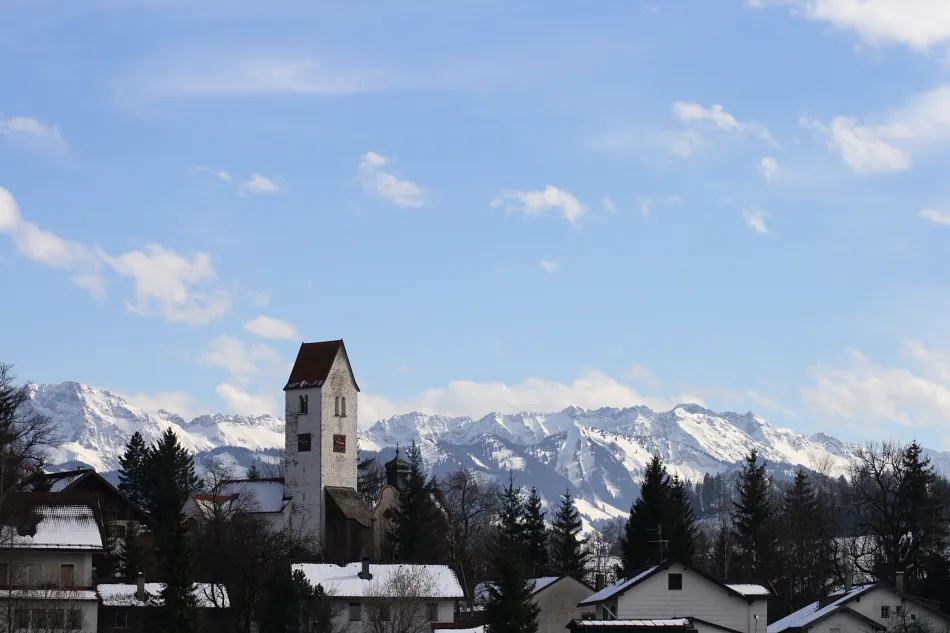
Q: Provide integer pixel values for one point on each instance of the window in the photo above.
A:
(303, 443)
(356, 613)
(385, 611)
(121, 620)
(339, 443)
(74, 619)
(899, 609)
(675, 582)
(21, 619)
(119, 530)
(55, 619)
(336, 407)
(433, 608)
(343, 406)
(67, 575)
(304, 405)
(38, 617)
(885, 612)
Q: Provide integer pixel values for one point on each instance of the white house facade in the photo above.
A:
(675, 596)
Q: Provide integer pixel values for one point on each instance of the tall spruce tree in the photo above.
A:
(131, 474)
(169, 478)
(679, 522)
(647, 515)
(509, 607)
(807, 555)
(416, 508)
(569, 554)
(752, 520)
(536, 536)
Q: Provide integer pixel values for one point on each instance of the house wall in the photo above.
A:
(387, 499)
(342, 619)
(870, 603)
(209, 620)
(558, 604)
(49, 562)
(843, 622)
(699, 598)
(89, 608)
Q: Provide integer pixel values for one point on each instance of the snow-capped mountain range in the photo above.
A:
(600, 454)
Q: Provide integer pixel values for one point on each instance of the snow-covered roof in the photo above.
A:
(343, 581)
(477, 629)
(751, 590)
(266, 495)
(536, 584)
(50, 594)
(673, 622)
(618, 587)
(207, 595)
(814, 611)
(54, 527)
(60, 484)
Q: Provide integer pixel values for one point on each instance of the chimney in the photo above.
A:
(899, 581)
(599, 582)
(848, 577)
(364, 572)
(140, 587)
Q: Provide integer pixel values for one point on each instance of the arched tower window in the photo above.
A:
(336, 406)
(343, 406)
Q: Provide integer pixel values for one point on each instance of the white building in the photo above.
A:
(865, 609)
(673, 596)
(46, 570)
(367, 595)
(557, 598)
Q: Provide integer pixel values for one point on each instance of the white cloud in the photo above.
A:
(219, 173)
(177, 285)
(27, 129)
(242, 360)
(593, 389)
(769, 167)
(608, 205)
(269, 327)
(178, 402)
(862, 391)
(755, 220)
(259, 184)
(716, 117)
(541, 202)
(766, 402)
(646, 206)
(935, 216)
(49, 249)
(922, 122)
(386, 185)
(549, 266)
(919, 24)
(259, 299)
(244, 403)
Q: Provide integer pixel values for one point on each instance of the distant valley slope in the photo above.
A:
(600, 454)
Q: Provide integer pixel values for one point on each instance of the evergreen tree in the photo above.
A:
(41, 482)
(647, 516)
(510, 607)
(752, 520)
(536, 536)
(680, 523)
(807, 546)
(132, 556)
(253, 473)
(131, 464)
(569, 555)
(416, 508)
(169, 478)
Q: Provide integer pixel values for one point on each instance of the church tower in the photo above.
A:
(321, 404)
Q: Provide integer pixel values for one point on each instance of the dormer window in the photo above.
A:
(303, 405)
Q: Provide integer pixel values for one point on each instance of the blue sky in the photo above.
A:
(499, 206)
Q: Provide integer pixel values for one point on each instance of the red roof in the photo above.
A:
(313, 364)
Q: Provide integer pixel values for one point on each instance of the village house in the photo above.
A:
(128, 607)
(557, 598)
(866, 608)
(47, 544)
(367, 595)
(673, 596)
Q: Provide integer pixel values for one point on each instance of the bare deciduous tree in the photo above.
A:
(402, 602)
(471, 503)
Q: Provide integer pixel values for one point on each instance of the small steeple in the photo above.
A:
(397, 470)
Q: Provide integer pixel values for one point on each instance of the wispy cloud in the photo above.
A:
(608, 205)
(255, 185)
(26, 129)
(924, 121)
(918, 24)
(549, 266)
(380, 183)
(755, 220)
(259, 299)
(935, 216)
(708, 119)
(541, 202)
(769, 167)
(270, 327)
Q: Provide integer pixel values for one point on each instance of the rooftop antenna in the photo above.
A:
(660, 542)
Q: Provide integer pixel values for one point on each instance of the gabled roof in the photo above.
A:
(313, 364)
(51, 520)
(537, 586)
(343, 581)
(351, 504)
(207, 595)
(69, 480)
(750, 592)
